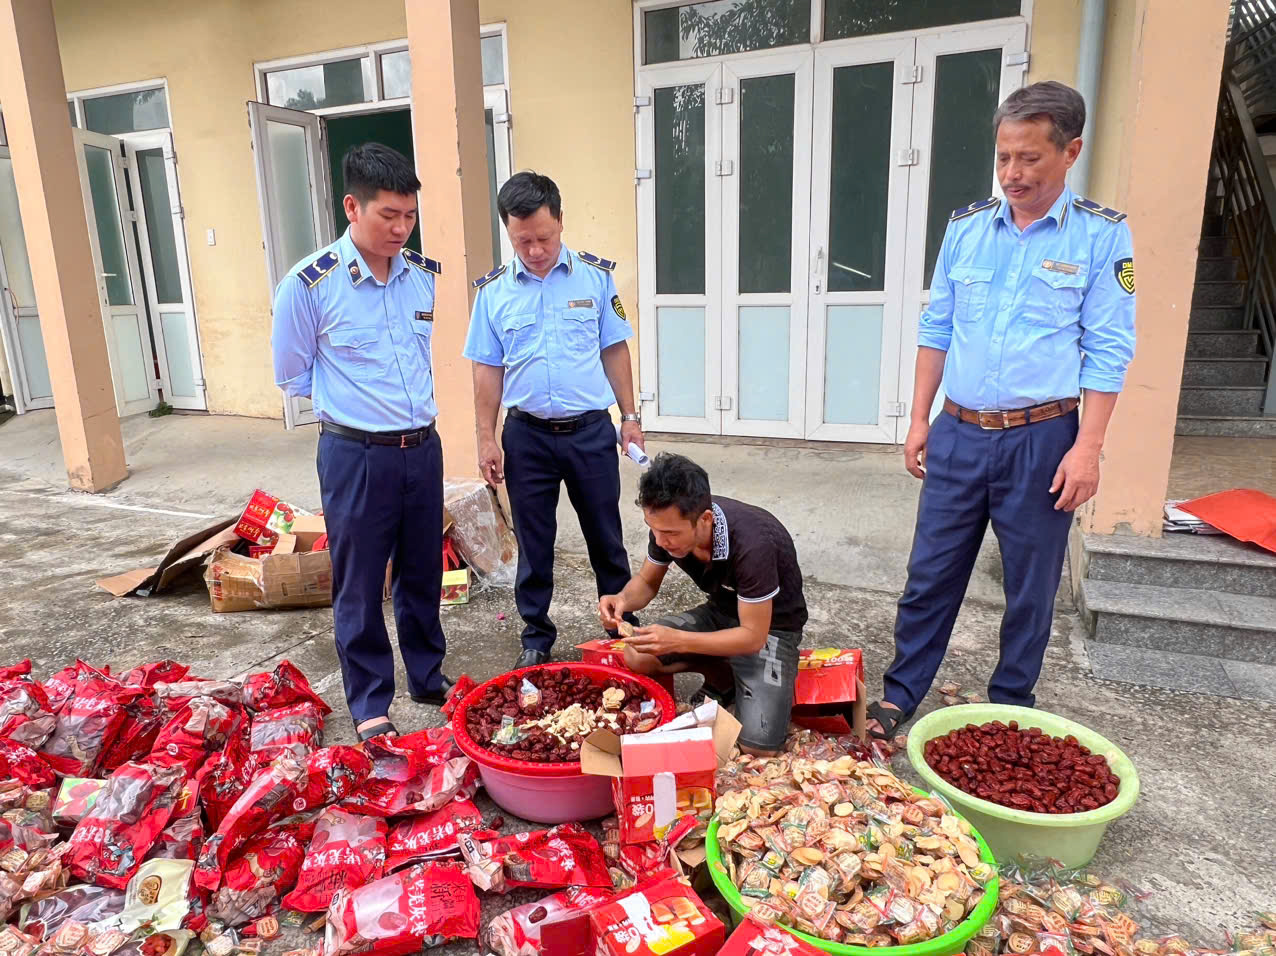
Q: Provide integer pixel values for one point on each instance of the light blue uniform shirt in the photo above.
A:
(549, 333)
(1029, 316)
(357, 347)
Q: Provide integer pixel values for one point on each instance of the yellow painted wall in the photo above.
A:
(1053, 35)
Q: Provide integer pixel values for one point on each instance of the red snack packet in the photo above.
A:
(258, 874)
(25, 714)
(14, 671)
(517, 932)
(184, 835)
(432, 834)
(565, 855)
(61, 686)
(464, 684)
(109, 843)
(148, 675)
(143, 718)
(267, 798)
(284, 686)
(199, 728)
(87, 725)
(25, 831)
(223, 778)
(174, 694)
(24, 764)
(424, 905)
(346, 852)
(417, 773)
(296, 730)
(332, 775)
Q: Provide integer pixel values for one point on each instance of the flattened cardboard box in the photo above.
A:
(185, 555)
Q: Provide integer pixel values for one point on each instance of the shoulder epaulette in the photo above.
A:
(1089, 205)
(484, 280)
(313, 273)
(992, 202)
(590, 259)
(423, 262)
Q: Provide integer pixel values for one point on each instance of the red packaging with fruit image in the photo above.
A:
(265, 518)
(527, 930)
(224, 776)
(88, 724)
(26, 716)
(416, 773)
(24, 765)
(431, 834)
(422, 906)
(565, 855)
(346, 851)
(296, 729)
(332, 775)
(199, 728)
(284, 686)
(261, 871)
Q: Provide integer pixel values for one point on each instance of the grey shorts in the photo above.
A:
(763, 681)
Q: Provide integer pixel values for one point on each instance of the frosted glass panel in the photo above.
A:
(396, 74)
(106, 212)
(764, 362)
(852, 364)
(680, 358)
(295, 208)
(177, 345)
(31, 344)
(493, 57)
(132, 370)
(159, 225)
(13, 243)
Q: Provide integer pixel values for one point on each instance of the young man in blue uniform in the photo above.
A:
(548, 339)
(1031, 308)
(352, 328)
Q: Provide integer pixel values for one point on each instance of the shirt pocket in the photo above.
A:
(970, 292)
(423, 332)
(353, 350)
(1054, 298)
(580, 330)
(518, 337)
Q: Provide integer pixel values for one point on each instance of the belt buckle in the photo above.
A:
(403, 441)
(559, 427)
(997, 415)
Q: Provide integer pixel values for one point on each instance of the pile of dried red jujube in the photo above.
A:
(1023, 769)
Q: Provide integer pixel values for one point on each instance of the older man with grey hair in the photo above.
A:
(1031, 310)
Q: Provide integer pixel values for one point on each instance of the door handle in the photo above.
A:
(819, 271)
(108, 275)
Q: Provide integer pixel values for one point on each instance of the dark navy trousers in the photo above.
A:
(381, 502)
(537, 462)
(974, 476)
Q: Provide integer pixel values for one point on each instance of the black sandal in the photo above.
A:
(377, 730)
(888, 717)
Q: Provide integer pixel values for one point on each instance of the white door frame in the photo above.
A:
(11, 314)
(496, 99)
(163, 140)
(297, 411)
(112, 314)
(688, 73)
(746, 66)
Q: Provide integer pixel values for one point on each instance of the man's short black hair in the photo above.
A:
(369, 168)
(524, 193)
(674, 480)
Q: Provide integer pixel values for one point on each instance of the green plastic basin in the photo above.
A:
(1071, 838)
(949, 944)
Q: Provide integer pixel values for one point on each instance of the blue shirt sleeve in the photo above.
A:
(935, 328)
(294, 336)
(613, 327)
(482, 344)
(1107, 314)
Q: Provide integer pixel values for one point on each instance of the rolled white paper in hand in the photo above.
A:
(633, 451)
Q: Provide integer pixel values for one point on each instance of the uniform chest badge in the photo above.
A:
(425, 316)
(1054, 265)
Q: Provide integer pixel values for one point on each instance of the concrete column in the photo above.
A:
(1175, 66)
(49, 197)
(451, 161)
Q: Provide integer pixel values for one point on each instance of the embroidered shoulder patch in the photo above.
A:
(618, 308)
(598, 263)
(992, 202)
(423, 262)
(1089, 205)
(1124, 269)
(312, 274)
(484, 280)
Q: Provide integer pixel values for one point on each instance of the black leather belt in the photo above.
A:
(558, 426)
(398, 439)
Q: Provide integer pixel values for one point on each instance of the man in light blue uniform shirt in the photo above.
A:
(352, 330)
(1032, 306)
(548, 339)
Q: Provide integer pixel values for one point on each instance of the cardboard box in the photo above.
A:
(829, 694)
(690, 749)
(265, 518)
(754, 939)
(657, 919)
(456, 587)
(479, 528)
(185, 555)
(610, 652)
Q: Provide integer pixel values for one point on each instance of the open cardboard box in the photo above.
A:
(829, 689)
(185, 555)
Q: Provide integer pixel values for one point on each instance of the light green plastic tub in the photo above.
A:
(949, 944)
(1071, 838)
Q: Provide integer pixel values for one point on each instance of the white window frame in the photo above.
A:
(161, 83)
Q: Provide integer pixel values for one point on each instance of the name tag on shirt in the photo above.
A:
(581, 304)
(1054, 265)
(425, 316)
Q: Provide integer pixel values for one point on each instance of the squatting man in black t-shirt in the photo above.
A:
(748, 631)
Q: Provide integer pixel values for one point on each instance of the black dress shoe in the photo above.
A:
(531, 657)
(436, 697)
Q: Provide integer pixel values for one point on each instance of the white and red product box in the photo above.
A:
(265, 518)
(662, 917)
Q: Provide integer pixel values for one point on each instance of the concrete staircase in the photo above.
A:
(1183, 612)
(1225, 370)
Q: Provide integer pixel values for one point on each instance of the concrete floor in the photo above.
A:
(1199, 839)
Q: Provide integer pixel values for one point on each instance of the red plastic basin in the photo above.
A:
(550, 792)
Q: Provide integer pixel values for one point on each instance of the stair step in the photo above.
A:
(1182, 672)
(1225, 371)
(1215, 562)
(1214, 318)
(1214, 246)
(1238, 627)
(1221, 399)
(1212, 224)
(1229, 343)
(1217, 267)
(1218, 292)
(1227, 426)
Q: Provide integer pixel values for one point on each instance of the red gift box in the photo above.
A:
(610, 652)
(829, 688)
(265, 518)
(663, 917)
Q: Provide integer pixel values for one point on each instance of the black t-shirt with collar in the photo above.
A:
(753, 560)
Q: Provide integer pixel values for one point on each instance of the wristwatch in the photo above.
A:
(632, 417)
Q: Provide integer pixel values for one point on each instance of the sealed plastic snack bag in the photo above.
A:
(418, 838)
(425, 905)
(295, 730)
(201, 727)
(347, 851)
(565, 855)
(284, 686)
(264, 869)
(88, 724)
